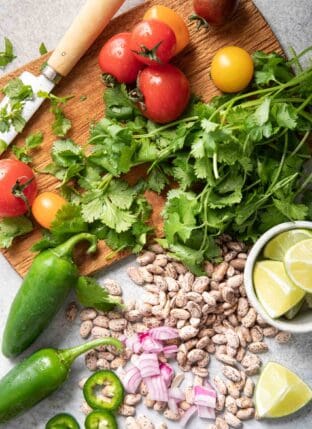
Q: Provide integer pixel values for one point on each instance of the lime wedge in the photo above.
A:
(280, 392)
(298, 264)
(278, 246)
(275, 291)
(292, 313)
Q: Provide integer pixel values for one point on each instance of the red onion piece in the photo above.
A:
(164, 333)
(149, 344)
(167, 373)
(206, 412)
(177, 394)
(157, 389)
(204, 396)
(132, 379)
(172, 405)
(187, 415)
(170, 351)
(148, 365)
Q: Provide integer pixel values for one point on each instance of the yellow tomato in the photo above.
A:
(232, 69)
(45, 207)
(174, 21)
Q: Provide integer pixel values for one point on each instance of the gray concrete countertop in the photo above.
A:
(31, 22)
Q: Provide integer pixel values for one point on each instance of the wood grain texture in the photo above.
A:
(248, 29)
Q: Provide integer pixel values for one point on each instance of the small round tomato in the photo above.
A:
(153, 42)
(166, 92)
(18, 188)
(232, 69)
(175, 22)
(215, 12)
(45, 207)
(116, 58)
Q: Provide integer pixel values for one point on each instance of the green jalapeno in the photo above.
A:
(39, 375)
(104, 391)
(44, 289)
(101, 420)
(62, 421)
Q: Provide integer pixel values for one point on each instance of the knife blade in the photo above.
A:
(86, 27)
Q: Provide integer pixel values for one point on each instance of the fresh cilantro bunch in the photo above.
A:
(237, 164)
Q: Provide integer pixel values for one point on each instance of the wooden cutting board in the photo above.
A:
(248, 29)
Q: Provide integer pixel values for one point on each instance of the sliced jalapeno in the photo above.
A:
(62, 421)
(104, 391)
(101, 420)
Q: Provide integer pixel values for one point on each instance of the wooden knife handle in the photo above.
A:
(86, 27)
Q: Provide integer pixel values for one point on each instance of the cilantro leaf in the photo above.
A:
(61, 124)
(32, 142)
(3, 146)
(68, 221)
(7, 56)
(91, 294)
(13, 227)
(42, 49)
(118, 104)
(66, 153)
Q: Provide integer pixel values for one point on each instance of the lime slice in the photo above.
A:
(298, 264)
(275, 291)
(278, 246)
(280, 392)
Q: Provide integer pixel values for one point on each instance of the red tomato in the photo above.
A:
(116, 58)
(153, 42)
(215, 12)
(13, 175)
(166, 92)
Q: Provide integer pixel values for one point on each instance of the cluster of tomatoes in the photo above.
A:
(143, 56)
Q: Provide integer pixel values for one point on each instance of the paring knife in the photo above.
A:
(86, 27)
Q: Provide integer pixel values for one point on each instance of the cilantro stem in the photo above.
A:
(301, 143)
(167, 126)
(215, 165)
(304, 184)
(281, 165)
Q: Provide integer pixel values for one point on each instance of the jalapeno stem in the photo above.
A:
(69, 355)
(65, 249)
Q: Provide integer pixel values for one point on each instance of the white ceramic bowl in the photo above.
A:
(301, 323)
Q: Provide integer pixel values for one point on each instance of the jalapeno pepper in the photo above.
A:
(104, 391)
(101, 419)
(39, 375)
(62, 421)
(45, 288)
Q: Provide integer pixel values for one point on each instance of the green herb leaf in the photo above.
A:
(7, 55)
(12, 227)
(61, 124)
(3, 146)
(90, 294)
(118, 104)
(32, 142)
(43, 49)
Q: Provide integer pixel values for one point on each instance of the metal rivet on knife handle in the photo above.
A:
(86, 27)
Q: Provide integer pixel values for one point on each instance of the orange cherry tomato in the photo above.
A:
(174, 21)
(45, 207)
(232, 69)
